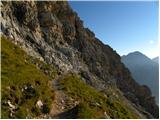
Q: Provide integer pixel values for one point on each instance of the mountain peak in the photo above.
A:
(136, 53)
(137, 56)
(144, 70)
(156, 59)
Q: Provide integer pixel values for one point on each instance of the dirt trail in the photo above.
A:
(63, 106)
(60, 103)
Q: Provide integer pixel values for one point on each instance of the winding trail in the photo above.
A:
(59, 103)
(63, 106)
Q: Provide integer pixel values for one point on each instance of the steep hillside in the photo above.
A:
(27, 91)
(144, 71)
(52, 32)
(94, 104)
(24, 84)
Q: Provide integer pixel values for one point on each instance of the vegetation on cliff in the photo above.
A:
(25, 81)
(23, 84)
(93, 104)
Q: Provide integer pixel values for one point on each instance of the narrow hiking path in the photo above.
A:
(63, 105)
(59, 103)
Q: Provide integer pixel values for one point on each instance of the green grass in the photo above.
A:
(93, 104)
(18, 70)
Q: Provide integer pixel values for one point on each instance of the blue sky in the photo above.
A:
(125, 26)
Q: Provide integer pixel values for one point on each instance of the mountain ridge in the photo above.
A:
(156, 59)
(144, 70)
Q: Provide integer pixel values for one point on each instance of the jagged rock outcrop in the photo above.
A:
(53, 32)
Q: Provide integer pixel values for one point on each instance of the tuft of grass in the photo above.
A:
(93, 104)
(85, 111)
(18, 70)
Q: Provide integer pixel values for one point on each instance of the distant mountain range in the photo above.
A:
(144, 70)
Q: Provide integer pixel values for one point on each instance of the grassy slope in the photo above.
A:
(93, 104)
(18, 71)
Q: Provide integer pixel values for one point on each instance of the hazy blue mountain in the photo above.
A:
(156, 59)
(144, 70)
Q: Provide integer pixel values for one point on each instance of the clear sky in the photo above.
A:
(125, 26)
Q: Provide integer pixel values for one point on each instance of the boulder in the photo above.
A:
(39, 104)
(13, 107)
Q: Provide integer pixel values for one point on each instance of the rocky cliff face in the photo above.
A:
(53, 32)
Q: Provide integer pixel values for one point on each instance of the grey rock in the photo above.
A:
(39, 104)
(47, 19)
